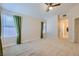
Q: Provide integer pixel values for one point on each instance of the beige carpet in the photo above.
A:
(44, 47)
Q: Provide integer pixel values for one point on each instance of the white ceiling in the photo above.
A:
(37, 9)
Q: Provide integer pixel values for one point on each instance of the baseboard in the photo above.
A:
(27, 41)
(13, 44)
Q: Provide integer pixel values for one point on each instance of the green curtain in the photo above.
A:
(1, 50)
(42, 23)
(17, 20)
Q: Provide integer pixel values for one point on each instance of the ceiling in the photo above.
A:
(37, 9)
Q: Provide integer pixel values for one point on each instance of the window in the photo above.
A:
(8, 26)
(44, 28)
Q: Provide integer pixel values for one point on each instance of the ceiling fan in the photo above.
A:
(51, 5)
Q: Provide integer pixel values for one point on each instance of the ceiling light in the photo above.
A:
(51, 5)
(50, 8)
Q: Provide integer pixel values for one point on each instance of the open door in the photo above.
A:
(63, 27)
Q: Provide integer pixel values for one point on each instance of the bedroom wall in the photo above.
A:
(72, 15)
(31, 28)
(52, 27)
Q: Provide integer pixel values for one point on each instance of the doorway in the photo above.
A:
(77, 29)
(63, 27)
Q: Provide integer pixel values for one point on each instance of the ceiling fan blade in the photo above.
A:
(46, 3)
(56, 5)
(52, 5)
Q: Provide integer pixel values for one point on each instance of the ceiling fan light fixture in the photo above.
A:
(50, 8)
(51, 5)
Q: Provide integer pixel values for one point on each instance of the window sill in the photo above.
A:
(8, 36)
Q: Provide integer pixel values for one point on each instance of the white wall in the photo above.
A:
(31, 28)
(52, 27)
(72, 14)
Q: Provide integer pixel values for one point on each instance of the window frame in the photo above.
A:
(3, 26)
